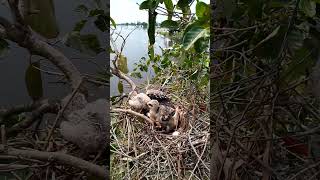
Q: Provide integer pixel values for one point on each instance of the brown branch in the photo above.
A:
(133, 113)
(62, 158)
(44, 108)
(121, 75)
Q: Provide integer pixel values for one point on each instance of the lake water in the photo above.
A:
(135, 48)
(12, 67)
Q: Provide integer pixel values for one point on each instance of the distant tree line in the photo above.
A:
(143, 24)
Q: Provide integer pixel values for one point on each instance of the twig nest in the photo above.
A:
(88, 127)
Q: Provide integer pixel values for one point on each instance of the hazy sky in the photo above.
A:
(128, 11)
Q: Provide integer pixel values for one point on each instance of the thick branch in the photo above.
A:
(44, 108)
(133, 113)
(121, 75)
(62, 158)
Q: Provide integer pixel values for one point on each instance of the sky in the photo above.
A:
(123, 11)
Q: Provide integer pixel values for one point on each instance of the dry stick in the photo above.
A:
(62, 158)
(195, 167)
(133, 113)
(304, 170)
(236, 127)
(60, 113)
(267, 167)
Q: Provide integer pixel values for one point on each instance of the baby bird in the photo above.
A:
(172, 123)
(154, 114)
(138, 102)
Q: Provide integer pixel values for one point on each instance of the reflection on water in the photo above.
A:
(12, 67)
(135, 48)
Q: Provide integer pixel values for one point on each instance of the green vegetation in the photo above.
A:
(182, 70)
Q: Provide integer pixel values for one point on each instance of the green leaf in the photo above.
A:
(144, 5)
(169, 24)
(87, 43)
(136, 75)
(122, 64)
(202, 10)
(78, 27)
(308, 7)
(113, 22)
(201, 44)
(102, 22)
(169, 6)
(120, 87)
(193, 35)
(183, 3)
(33, 81)
(40, 15)
(149, 4)
(4, 48)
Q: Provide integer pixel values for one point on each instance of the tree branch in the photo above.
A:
(61, 158)
(121, 75)
(133, 113)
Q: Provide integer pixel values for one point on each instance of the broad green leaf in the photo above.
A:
(144, 5)
(4, 48)
(40, 15)
(193, 35)
(33, 81)
(308, 7)
(183, 3)
(87, 43)
(202, 10)
(120, 87)
(122, 64)
(169, 6)
(102, 23)
(169, 24)
(78, 27)
(149, 4)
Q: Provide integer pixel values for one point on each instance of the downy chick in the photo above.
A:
(154, 114)
(138, 102)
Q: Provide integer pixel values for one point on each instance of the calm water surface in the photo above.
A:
(136, 47)
(12, 67)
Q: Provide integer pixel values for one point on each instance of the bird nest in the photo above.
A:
(139, 151)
